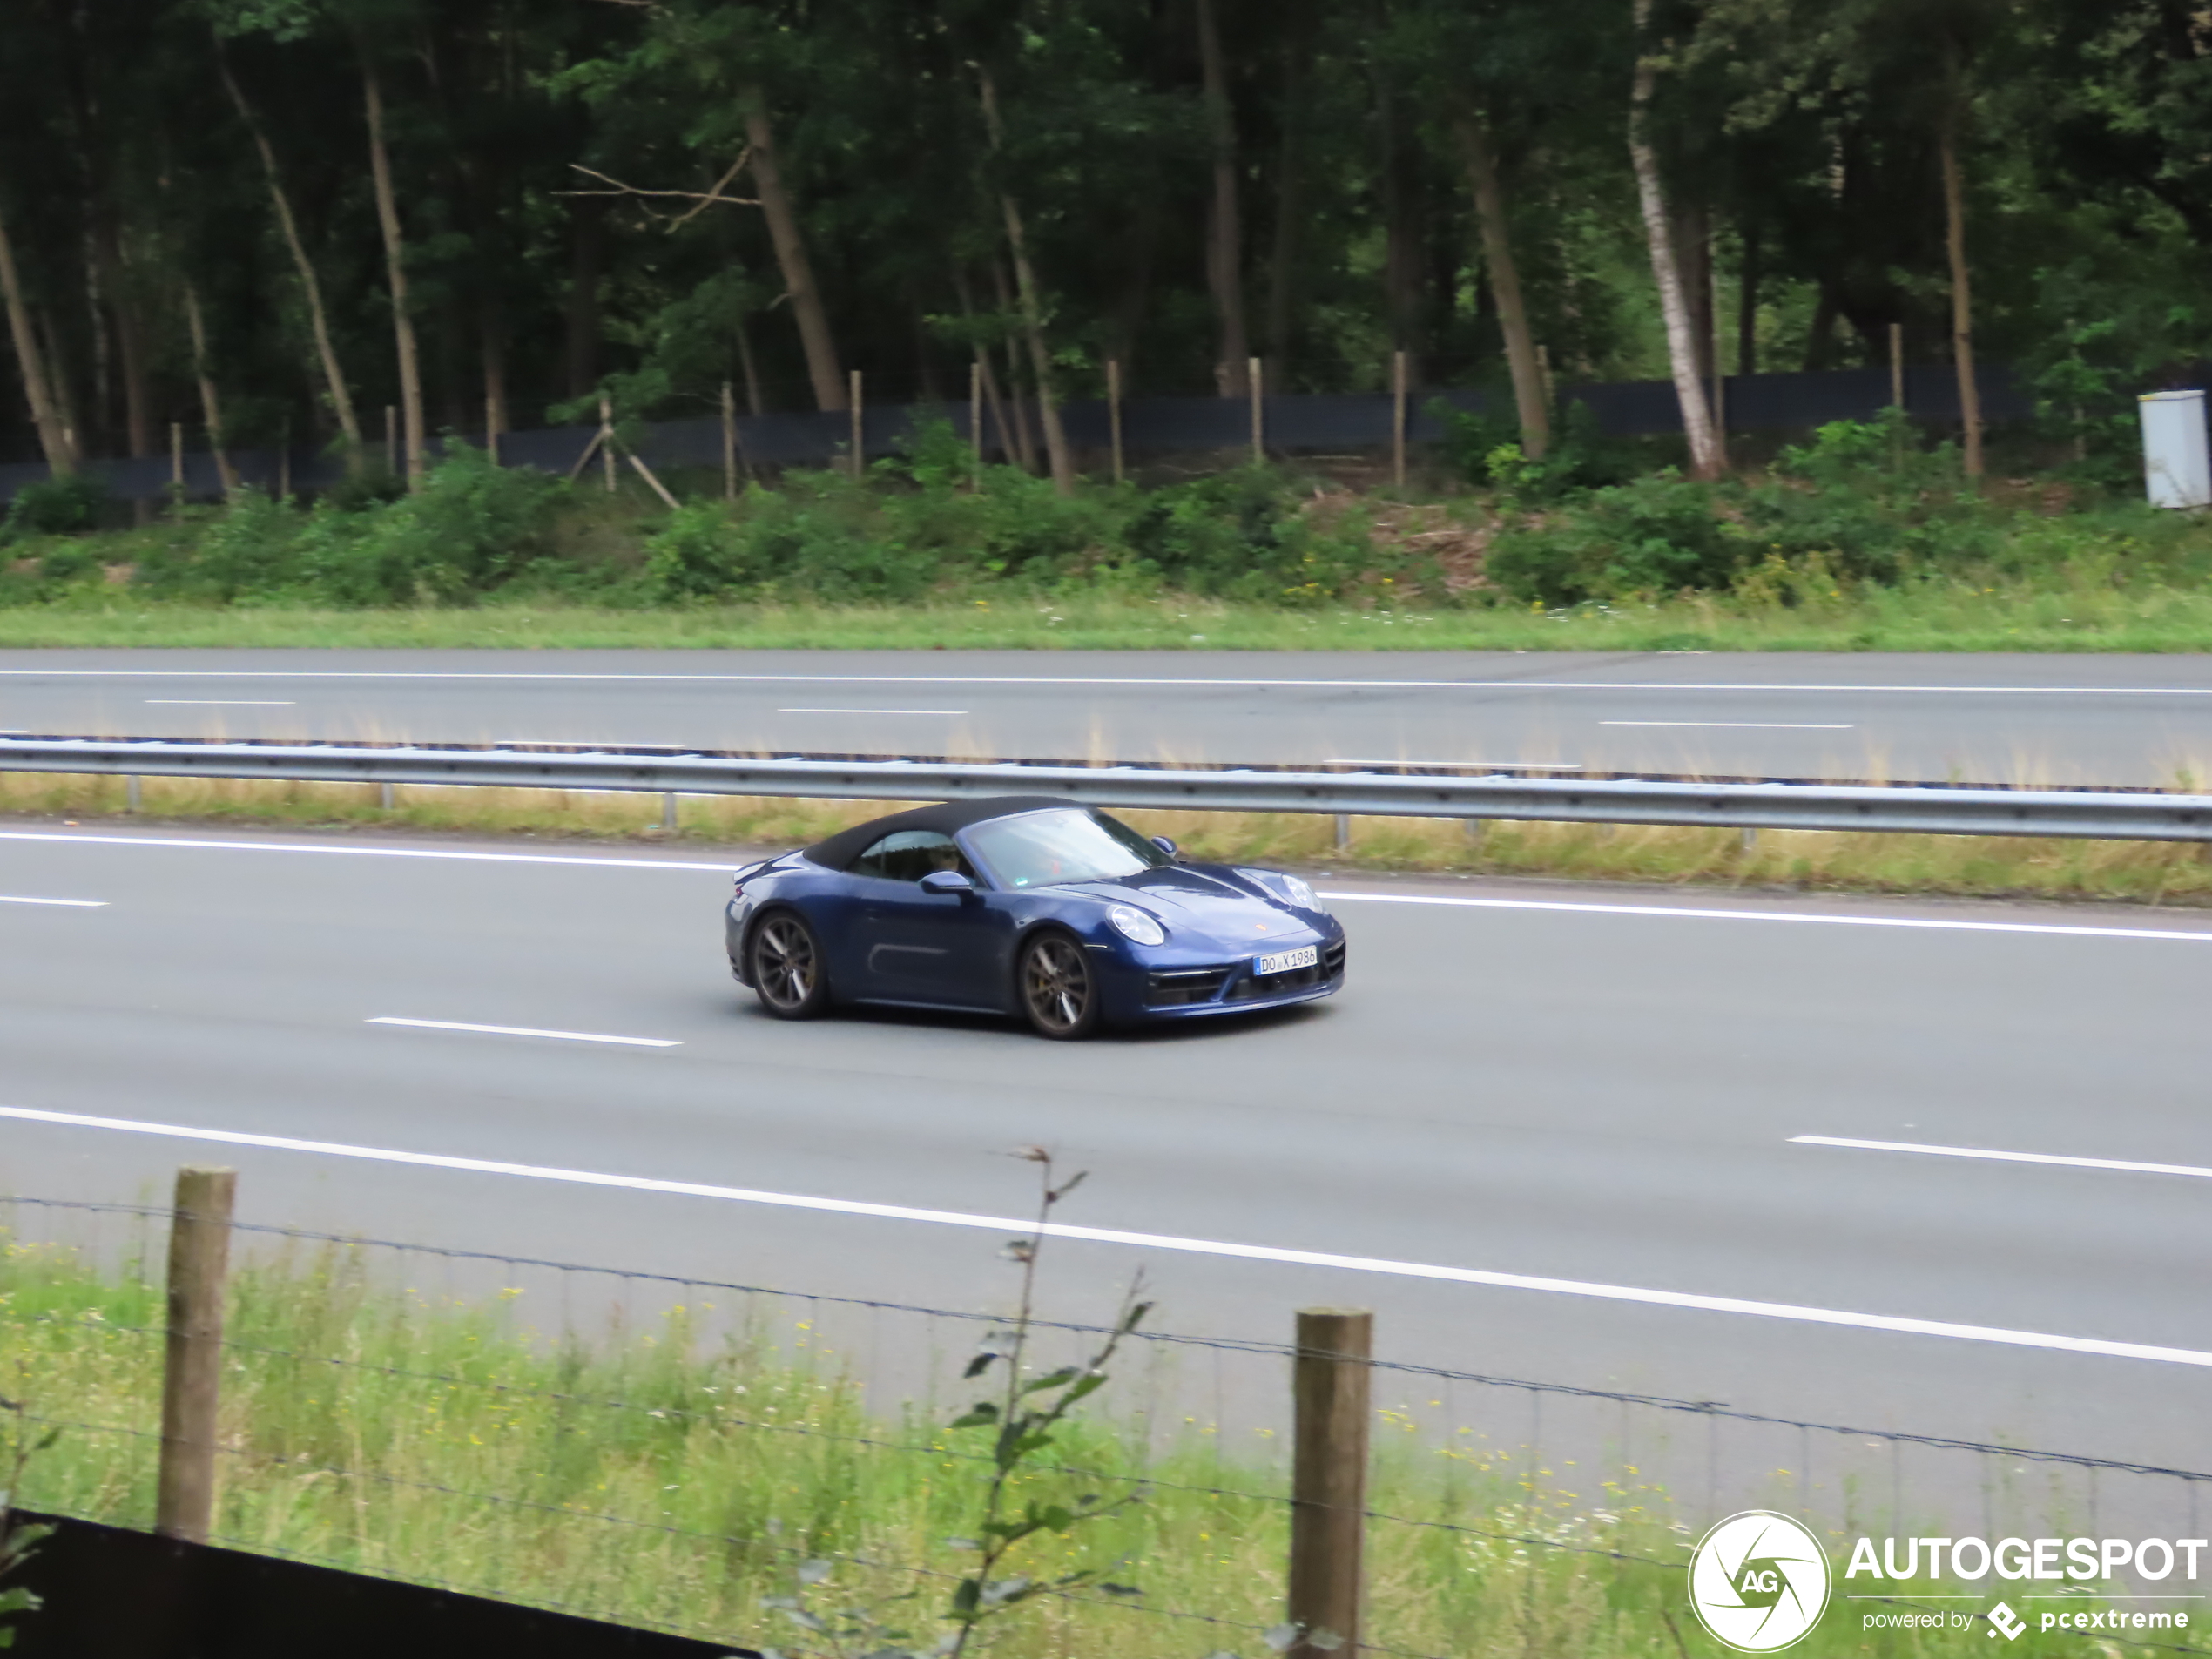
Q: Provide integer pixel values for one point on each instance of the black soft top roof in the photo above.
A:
(838, 851)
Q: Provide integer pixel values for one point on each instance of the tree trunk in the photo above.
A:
(1282, 272)
(53, 441)
(1706, 457)
(1962, 302)
(580, 353)
(491, 325)
(751, 370)
(1061, 459)
(387, 218)
(341, 398)
(58, 381)
(211, 409)
(1025, 441)
(1225, 236)
(1402, 285)
(814, 336)
(1747, 304)
(1529, 398)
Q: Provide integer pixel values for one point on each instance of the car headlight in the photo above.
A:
(1291, 889)
(1132, 923)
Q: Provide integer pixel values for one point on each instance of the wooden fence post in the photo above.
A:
(607, 442)
(391, 441)
(1896, 365)
(1328, 1478)
(200, 1250)
(1252, 371)
(860, 430)
(1398, 419)
(1114, 411)
(491, 429)
(177, 457)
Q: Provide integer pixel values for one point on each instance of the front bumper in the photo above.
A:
(1148, 991)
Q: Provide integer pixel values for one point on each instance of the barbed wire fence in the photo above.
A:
(716, 1458)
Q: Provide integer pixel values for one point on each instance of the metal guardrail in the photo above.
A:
(1936, 809)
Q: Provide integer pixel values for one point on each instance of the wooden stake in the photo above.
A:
(1398, 418)
(1114, 410)
(860, 430)
(177, 456)
(1329, 1477)
(607, 442)
(391, 440)
(491, 428)
(646, 473)
(975, 417)
(283, 463)
(1259, 413)
(200, 1250)
(729, 444)
(1897, 366)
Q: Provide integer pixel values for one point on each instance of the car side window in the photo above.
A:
(908, 855)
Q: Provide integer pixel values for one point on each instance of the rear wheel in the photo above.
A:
(1059, 992)
(786, 967)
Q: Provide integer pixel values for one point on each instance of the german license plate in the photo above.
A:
(1286, 962)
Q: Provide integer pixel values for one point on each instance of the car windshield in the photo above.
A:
(1039, 849)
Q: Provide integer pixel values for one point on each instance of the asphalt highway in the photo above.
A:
(2096, 720)
(1545, 1133)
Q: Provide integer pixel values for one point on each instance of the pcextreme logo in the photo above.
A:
(1758, 1582)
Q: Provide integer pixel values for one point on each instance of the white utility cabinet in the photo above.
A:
(2177, 467)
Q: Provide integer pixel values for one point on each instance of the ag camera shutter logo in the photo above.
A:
(1758, 1582)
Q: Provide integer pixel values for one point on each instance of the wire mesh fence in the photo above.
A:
(762, 1466)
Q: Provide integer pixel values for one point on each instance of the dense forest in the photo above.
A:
(286, 217)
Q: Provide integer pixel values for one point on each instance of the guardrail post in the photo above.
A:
(668, 813)
(200, 1250)
(131, 793)
(1344, 832)
(1329, 1479)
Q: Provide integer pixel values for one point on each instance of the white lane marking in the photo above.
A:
(2127, 1165)
(1462, 766)
(726, 866)
(2201, 937)
(723, 868)
(871, 711)
(73, 904)
(217, 703)
(1086, 679)
(1735, 725)
(1149, 1241)
(524, 1031)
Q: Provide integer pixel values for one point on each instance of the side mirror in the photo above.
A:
(1164, 845)
(946, 881)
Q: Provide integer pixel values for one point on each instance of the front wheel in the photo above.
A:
(786, 963)
(1059, 993)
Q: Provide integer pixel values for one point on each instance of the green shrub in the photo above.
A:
(1654, 536)
(55, 507)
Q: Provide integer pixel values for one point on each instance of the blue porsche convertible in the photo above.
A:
(1030, 906)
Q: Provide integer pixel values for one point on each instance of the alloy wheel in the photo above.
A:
(783, 955)
(1056, 986)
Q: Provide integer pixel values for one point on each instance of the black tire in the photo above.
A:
(1056, 989)
(783, 960)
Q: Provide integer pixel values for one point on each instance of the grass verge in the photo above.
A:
(1935, 614)
(675, 1474)
(1798, 860)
